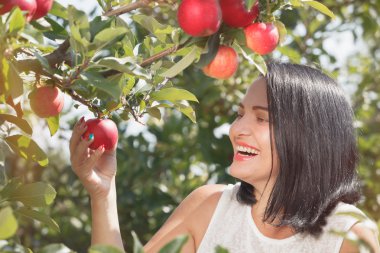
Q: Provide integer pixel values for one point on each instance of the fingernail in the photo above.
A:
(81, 119)
(91, 137)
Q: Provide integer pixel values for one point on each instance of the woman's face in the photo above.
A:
(250, 138)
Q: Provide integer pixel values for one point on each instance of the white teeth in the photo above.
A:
(248, 150)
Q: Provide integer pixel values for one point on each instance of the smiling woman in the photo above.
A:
(295, 156)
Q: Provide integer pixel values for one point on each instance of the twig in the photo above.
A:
(150, 60)
(127, 8)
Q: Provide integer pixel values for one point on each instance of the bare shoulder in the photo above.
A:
(204, 202)
(210, 192)
(363, 233)
(191, 217)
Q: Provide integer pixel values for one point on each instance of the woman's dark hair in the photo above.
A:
(312, 123)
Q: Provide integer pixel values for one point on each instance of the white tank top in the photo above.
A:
(233, 228)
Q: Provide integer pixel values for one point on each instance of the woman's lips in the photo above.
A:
(240, 157)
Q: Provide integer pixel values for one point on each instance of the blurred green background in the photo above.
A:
(163, 161)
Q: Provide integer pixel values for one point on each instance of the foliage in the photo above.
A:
(141, 65)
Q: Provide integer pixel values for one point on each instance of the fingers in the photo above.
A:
(86, 171)
(94, 157)
(82, 150)
(79, 129)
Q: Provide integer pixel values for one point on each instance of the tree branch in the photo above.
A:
(54, 59)
(127, 8)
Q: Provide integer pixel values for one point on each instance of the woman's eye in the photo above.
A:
(238, 115)
(261, 120)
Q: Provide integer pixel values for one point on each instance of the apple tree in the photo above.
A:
(121, 67)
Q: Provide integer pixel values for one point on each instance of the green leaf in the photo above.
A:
(175, 245)
(137, 246)
(4, 84)
(212, 49)
(152, 25)
(249, 4)
(39, 216)
(27, 148)
(17, 87)
(282, 31)
(154, 112)
(16, 21)
(8, 223)
(37, 194)
(188, 111)
(95, 79)
(58, 31)
(53, 124)
(254, 59)
(21, 123)
(108, 36)
(10, 187)
(104, 249)
(80, 30)
(98, 24)
(119, 64)
(58, 10)
(56, 247)
(220, 249)
(293, 54)
(296, 3)
(320, 7)
(182, 64)
(44, 62)
(173, 94)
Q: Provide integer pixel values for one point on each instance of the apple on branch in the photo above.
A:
(235, 13)
(262, 38)
(224, 65)
(46, 101)
(199, 18)
(30, 6)
(43, 7)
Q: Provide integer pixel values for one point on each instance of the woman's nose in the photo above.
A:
(241, 127)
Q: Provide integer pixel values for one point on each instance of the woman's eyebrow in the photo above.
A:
(255, 107)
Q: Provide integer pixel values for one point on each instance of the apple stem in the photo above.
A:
(268, 8)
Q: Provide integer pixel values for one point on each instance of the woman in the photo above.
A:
(295, 156)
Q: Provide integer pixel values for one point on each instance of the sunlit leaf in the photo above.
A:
(27, 148)
(39, 216)
(104, 249)
(282, 31)
(137, 246)
(56, 247)
(173, 94)
(53, 124)
(37, 194)
(16, 21)
(182, 64)
(8, 223)
(320, 7)
(21, 123)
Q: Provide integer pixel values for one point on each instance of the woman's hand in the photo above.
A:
(95, 168)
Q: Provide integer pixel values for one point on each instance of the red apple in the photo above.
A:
(43, 7)
(199, 18)
(29, 6)
(46, 101)
(224, 65)
(105, 133)
(236, 15)
(262, 38)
